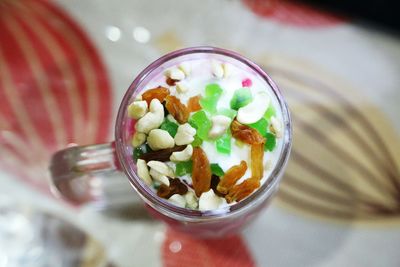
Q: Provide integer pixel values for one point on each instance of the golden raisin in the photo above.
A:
(231, 176)
(178, 110)
(246, 134)
(257, 158)
(201, 171)
(194, 103)
(242, 190)
(159, 92)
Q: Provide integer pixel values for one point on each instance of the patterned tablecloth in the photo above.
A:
(65, 65)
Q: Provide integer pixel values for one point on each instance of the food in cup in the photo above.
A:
(206, 133)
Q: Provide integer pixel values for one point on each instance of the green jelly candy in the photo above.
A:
(228, 112)
(223, 144)
(210, 101)
(241, 98)
(170, 127)
(270, 112)
(201, 123)
(137, 152)
(183, 168)
(270, 142)
(197, 141)
(216, 169)
(261, 126)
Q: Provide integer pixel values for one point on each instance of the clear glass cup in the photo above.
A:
(82, 174)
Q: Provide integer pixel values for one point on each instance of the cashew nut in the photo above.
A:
(186, 68)
(159, 177)
(255, 110)
(153, 119)
(276, 127)
(143, 171)
(185, 134)
(191, 200)
(216, 69)
(171, 118)
(138, 139)
(181, 88)
(160, 139)
(227, 69)
(183, 155)
(175, 74)
(138, 97)
(161, 167)
(177, 200)
(219, 125)
(137, 109)
(209, 201)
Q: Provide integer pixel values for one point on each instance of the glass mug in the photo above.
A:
(76, 170)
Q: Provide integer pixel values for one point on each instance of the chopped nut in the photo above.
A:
(159, 177)
(175, 74)
(186, 68)
(183, 155)
(160, 139)
(255, 110)
(181, 88)
(153, 119)
(177, 200)
(161, 167)
(138, 139)
(143, 171)
(137, 109)
(217, 69)
(191, 200)
(276, 127)
(220, 124)
(185, 134)
(227, 69)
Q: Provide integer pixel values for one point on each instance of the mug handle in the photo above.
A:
(90, 175)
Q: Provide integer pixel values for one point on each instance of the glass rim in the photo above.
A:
(163, 206)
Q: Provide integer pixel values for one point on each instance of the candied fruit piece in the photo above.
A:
(159, 92)
(170, 127)
(197, 141)
(246, 134)
(178, 110)
(194, 104)
(241, 98)
(183, 167)
(216, 169)
(261, 126)
(247, 82)
(231, 177)
(257, 158)
(137, 152)
(210, 101)
(201, 171)
(270, 142)
(223, 144)
(242, 190)
(202, 123)
(270, 112)
(160, 155)
(175, 187)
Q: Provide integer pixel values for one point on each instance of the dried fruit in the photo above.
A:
(193, 103)
(231, 176)
(175, 187)
(159, 92)
(214, 183)
(242, 190)
(201, 173)
(178, 110)
(160, 155)
(170, 82)
(257, 158)
(246, 134)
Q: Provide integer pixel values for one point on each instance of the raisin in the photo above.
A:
(193, 103)
(242, 190)
(231, 176)
(257, 158)
(175, 187)
(170, 82)
(246, 134)
(159, 92)
(214, 183)
(161, 155)
(178, 110)
(201, 171)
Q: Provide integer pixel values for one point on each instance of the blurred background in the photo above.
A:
(66, 64)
